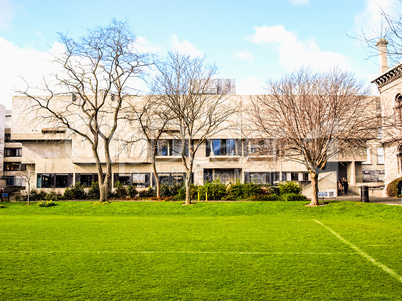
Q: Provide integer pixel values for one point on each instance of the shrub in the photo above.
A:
(236, 191)
(180, 194)
(2, 206)
(68, 194)
(392, 188)
(293, 197)
(132, 191)
(239, 191)
(34, 195)
(215, 190)
(93, 192)
(149, 193)
(289, 187)
(266, 198)
(120, 190)
(49, 203)
(41, 195)
(52, 196)
(76, 192)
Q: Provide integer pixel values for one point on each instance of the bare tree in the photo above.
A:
(314, 116)
(28, 175)
(98, 70)
(154, 119)
(186, 86)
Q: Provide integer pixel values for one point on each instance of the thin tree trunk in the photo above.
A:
(314, 188)
(188, 186)
(158, 184)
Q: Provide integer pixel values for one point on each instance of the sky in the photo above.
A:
(250, 41)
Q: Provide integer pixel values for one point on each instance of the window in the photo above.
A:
(225, 147)
(217, 147)
(61, 181)
(7, 138)
(12, 166)
(379, 133)
(231, 147)
(261, 147)
(163, 148)
(12, 152)
(10, 181)
(52, 180)
(271, 178)
(141, 179)
(177, 147)
(380, 155)
(169, 147)
(124, 179)
(294, 176)
(86, 179)
(368, 159)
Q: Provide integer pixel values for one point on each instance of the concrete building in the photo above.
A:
(60, 159)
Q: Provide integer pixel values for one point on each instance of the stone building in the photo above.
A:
(389, 83)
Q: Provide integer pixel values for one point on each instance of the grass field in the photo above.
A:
(206, 251)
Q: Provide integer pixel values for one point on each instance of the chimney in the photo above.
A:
(382, 51)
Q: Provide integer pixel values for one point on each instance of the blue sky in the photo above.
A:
(251, 41)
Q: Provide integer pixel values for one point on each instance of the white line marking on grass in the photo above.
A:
(362, 253)
(184, 252)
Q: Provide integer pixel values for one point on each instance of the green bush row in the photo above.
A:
(287, 191)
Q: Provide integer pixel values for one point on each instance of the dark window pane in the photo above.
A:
(216, 147)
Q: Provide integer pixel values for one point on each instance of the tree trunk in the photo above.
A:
(314, 188)
(158, 184)
(188, 186)
(103, 191)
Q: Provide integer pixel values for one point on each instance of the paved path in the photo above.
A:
(372, 199)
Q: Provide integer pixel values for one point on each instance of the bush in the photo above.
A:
(289, 187)
(120, 190)
(215, 190)
(240, 191)
(46, 203)
(293, 197)
(266, 198)
(392, 188)
(149, 193)
(93, 192)
(180, 194)
(76, 192)
(132, 191)
(53, 196)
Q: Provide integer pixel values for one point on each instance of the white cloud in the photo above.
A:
(294, 53)
(370, 20)
(250, 86)
(299, 2)
(23, 63)
(185, 47)
(245, 55)
(143, 46)
(6, 13)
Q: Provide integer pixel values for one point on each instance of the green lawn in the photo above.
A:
(206, 251)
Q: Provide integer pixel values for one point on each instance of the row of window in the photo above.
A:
(219, 147)
(56, 180)
(13, 166)
(12, 152)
